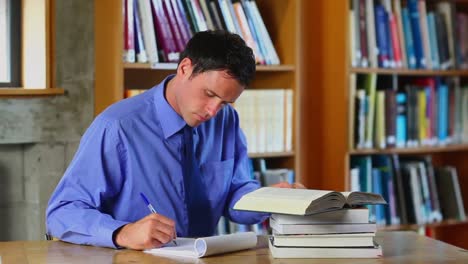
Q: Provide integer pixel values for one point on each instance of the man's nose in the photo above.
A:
(213, 107)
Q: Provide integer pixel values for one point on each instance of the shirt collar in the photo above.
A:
(171, 122)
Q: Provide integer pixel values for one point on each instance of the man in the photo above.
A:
(179, 144)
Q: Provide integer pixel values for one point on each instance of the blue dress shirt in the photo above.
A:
(136, 146)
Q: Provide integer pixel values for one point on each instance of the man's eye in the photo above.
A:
(209, 94)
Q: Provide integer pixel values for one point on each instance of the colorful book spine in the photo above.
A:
(382, 40)
(416, 29)
(265, 36)
(140, 48)
(129, 33)
(163, 33)
(184, 15)
(401, 127)
(148, 30)
(363, 34)
(424, 33)
(433, 40)
(173, 25)
(395, 41)
(409, 44)
(442, 103)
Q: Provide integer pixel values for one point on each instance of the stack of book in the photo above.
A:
(316, 223)
(345, 233)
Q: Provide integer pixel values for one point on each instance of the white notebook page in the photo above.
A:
(207, 246)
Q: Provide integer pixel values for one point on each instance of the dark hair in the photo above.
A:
(217, 50)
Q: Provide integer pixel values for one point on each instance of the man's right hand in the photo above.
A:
(152, 231)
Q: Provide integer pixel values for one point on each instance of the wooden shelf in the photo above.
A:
(271, 154)
(419, 150)
(444, 223)
(410, 72)
(147, 66)
(23, 92)
(173, 66)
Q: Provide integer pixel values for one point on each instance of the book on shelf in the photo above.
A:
(164, 35)
(344, 216)
(162, 28)
(414, 34)
(140, 49)
(147, 28)
(129, 33)
(302, 201)
(423, 111)
(451, 199)
(417, 191)
(324, 252)
(264, 117)
(173, 25)
(325, 240)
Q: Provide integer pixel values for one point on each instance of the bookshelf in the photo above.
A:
(283, 20)
(328, 70)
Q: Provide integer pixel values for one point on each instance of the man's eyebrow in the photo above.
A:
(215, 94)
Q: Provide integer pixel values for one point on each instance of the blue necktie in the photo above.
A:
(199, 209)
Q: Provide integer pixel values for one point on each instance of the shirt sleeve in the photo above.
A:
(77, 210)
(242, 182)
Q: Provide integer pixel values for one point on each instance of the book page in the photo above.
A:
(206, 246)
(289, 194)
(289, 201)
(362, 198)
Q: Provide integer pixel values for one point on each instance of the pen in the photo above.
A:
(152, 210)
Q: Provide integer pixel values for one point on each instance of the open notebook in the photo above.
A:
(206, 246)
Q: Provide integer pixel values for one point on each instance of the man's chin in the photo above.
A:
(193, 122)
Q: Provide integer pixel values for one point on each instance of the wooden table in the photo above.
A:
(398, 247)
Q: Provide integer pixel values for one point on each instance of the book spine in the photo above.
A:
(163, 32)
(401, 34)
(409, 43)
(148, 29)
(265, 36)
(183, 25)
(140, 48)
(198, 14)
(424, 33)
(184, 15)
(246, 33)
(217, 20)
(395, 41)
(382, 41)
(401, 120)
(417, 39)
(173, 25)
(442, 103)
(129, 34)
(433, 40)
(363, 34)
(371, 37)
(206, 13)
(390, 118)
(190, 15)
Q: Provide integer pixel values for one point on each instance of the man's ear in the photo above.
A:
(185, 68)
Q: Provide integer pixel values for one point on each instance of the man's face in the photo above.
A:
(201, 96)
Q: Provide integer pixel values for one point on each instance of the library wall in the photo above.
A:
(39, 136)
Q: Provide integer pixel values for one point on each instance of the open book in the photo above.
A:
(303, 201)
(206, 246)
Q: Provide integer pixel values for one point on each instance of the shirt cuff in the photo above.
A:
(106, 232)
